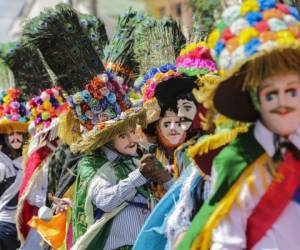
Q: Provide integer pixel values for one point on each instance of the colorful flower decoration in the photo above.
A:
(156, 76)
(12, 106)
(105, 97)
(252, 27)
(195, 59)
(44, 108)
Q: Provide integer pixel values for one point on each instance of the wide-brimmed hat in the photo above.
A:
(194, 62)
(247, 33)
(105, 110)
(13, 114)
(44, 111)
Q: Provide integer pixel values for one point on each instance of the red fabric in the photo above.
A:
(205, 161)
(274, 201)
(32, 163)
(196, 125)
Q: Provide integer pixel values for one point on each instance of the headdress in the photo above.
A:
(68, 46)
(75, 59)
(28, 67)
(44, 111)
(103, 107)
(156, 51)
(13, 115)
(252, 33)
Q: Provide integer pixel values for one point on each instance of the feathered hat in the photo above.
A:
(28, 67)
(156, 49)
(44, 111)
(13, 115)
(74, 59)
(103, 107)
(69, 45)
(249, 40)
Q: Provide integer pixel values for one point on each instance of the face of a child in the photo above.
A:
(279, 97)
(126, 143)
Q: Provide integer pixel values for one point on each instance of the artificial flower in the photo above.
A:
(247, 34)
(249, 6)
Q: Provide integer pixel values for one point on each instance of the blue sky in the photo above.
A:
(9, 9)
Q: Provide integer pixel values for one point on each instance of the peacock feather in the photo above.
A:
(27, 66)
(67, 46)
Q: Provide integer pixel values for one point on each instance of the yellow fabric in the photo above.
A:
(215, 141)
(53, 231)
(70, 192)
(203, 240)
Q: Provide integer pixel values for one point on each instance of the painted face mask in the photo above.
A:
(15, 140)
(279, 98)
(186, 112)
(126, 143)
(169, 130)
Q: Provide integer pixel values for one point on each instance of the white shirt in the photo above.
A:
(284, 233)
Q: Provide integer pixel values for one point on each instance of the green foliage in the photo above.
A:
(205, 11)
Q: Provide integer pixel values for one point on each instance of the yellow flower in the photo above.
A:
(170, 73)
(34, 112)
(285, 37)
(158, 77)
(6, 99)
(247, 34)
(213, 38)
(47, 105)
(249, 6)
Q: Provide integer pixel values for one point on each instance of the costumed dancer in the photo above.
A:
(13, 129)
(111, 194)
(255, 201)
(156, 49)
(86, 32)
(184, 92)
(43, 111)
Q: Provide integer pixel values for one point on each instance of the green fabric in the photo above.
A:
(86, 169)
(229, 165)
(98, 242)
(122, 170)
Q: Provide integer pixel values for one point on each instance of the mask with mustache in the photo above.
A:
(15, 140)
(169, 130)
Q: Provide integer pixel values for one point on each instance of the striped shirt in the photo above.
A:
(128, 223)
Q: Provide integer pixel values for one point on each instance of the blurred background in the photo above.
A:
(13, 14)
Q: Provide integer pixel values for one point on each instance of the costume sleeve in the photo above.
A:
(230, 233)
(107, 196)
(38, 192)
(180, 219)
(2, 172)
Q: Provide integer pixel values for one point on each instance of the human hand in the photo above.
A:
(148, 164)
(59, 205)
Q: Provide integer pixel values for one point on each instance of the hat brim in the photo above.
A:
(167, 91)
(96, 138)
(7, 127)
(232, 101)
